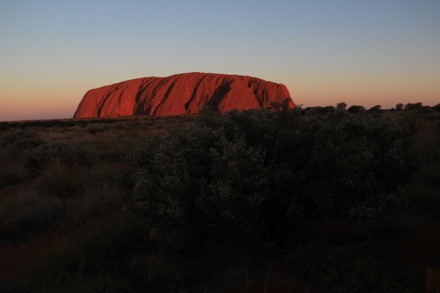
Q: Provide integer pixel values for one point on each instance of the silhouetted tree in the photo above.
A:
(329, 109)
(356, 109)
(341, 106)
(313, 110)
(376, 108)
(399, 107)
(413, 106)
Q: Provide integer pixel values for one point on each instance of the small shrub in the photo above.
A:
(351, 268)
(125, 180)
(356, 109)
(70, 154)
(100, 201)
(13, 144)
(30, 207)
(413, 106)
(13, 170)
(5, 126)
(19, 140)
(62, 180)
(106, 256)
(423, 198)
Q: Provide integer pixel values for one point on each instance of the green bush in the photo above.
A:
(179, 190)
(13, 145)
(43, 211)
(62, 181)
(106, 256)
(38, 158)
(256, 175)
(19, 140)
(352, 268)
(83, 261)
(13, 170)
(31, 208)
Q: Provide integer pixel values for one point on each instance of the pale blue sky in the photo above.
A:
(361, 52)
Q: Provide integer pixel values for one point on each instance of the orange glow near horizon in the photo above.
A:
(56, 103)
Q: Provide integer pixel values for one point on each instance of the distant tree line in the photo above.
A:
(342, 106)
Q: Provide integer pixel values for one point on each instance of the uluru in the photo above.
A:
(185, 93)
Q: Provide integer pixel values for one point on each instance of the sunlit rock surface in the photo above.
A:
(178, 94)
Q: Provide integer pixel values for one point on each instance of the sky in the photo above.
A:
(372, 52)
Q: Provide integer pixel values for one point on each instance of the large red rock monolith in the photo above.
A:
(178, 94)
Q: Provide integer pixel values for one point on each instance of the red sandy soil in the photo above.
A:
(14, 190)
(179, 94)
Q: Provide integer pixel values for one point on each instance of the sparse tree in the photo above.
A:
(399, 106)
(376, 108)
(341, 106)
(413, 106)
(328, 109)
(356, 109)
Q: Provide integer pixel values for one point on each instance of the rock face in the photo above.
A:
(185, 93)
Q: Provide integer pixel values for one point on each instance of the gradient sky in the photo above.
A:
(326, 51)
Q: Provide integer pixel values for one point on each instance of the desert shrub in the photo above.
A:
(14, 143)
(329, 109)
(106, 256)
(353, 165)
(427, 140)
(424, 199)
(40, 157)
(339, 164)
(351, 268)
(18, 140)
(30, 207)
(376, 108)
(414, 106)
(13, 169)
(41, 212)
(4, 126)
(125, 180)
(99, 201)
(423, 190)
(356, 109)
(258, 174)
(62, 181)
(342, 106)
(199, 185)
(12, 174)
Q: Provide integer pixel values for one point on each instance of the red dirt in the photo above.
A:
(179, 94)
(14, 190)
(15, 260)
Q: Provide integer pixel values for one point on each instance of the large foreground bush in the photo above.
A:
(256, 176)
